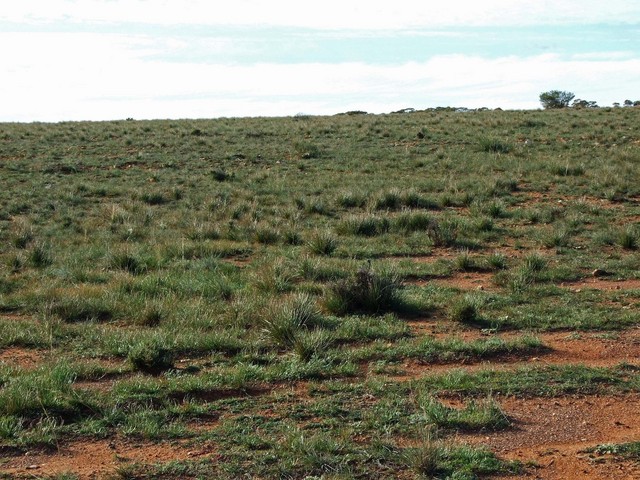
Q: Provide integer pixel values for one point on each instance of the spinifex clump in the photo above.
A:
(365, 292)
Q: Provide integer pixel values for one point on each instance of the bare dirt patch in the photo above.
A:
(552, 198)
(98, 458)
(23, 357)
(240, 262)
(467, 281)
(602, 284)
(16, 317)
(459, 280)
(554, 433)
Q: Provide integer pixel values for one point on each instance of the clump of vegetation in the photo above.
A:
(493, 145)
(154, 198)
(505, 186)
(628, 238)
(351, 199)
(413, 222)
(23, 238)
(40, 256)
(129, 262)
(443, 233)
(285, 322)
(151, 356)
(534, 263)
(220, 175)
(368, 226)
(82, 308)
(322, 243)
(567, 170)
(435, 458)
(497, 261)
(475, 416)
(309, 344)
(266, 234)
(47, 391)
(388, 200)
(307, 150)
(395, 199)
(151, 315)
(630, 450)
(465, 262)
(465, 309)
(559, 237)
(364, 292)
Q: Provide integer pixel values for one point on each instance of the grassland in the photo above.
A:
(410, 295)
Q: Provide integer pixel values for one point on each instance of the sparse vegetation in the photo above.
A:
(315, 296)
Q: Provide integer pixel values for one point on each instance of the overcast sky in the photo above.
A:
(113, 59)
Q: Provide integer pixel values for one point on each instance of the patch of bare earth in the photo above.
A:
(98, 458)
(240, 262)
(603, 284)
(462, 281)
(553, 435)
(22, 357)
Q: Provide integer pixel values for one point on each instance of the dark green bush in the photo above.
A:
(366, 292)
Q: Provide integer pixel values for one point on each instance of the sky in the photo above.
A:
(146, 59)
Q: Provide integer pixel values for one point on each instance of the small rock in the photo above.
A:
(33, 467)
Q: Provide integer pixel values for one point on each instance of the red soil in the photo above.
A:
(554, 434)
(98, 458)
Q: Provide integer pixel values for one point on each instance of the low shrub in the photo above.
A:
(465, 310)
(40, 256)
(150, 356)
(368, 226)
(322, 243)
(366, 291)
(628, 239)
(134, 264)
(351, 200)
(412, 222)
(285, 321)
(492, 145)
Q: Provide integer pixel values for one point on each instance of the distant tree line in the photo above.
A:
(562, 99)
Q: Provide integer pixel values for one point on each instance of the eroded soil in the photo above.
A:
(552, 435)
(22, 357)
(98, 458)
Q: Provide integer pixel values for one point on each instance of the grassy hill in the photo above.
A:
(292, 297)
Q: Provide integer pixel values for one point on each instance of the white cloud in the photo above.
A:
(90, 76)
(343, 14)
